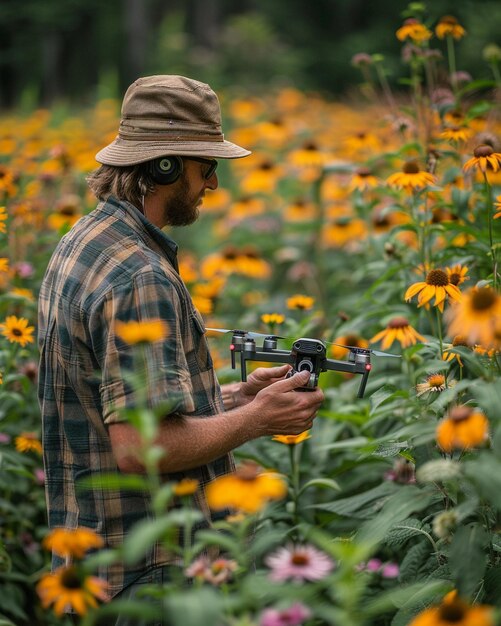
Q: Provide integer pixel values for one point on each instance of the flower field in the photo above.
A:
(372, 222)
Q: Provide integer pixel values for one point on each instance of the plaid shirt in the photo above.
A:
(115, 265)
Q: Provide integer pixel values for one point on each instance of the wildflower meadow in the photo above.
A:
(372, 222)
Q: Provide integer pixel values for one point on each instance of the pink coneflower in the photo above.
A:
(293, 616)
(216, 572)
(299, 563)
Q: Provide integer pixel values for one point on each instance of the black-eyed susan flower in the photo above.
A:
(449, 353)
(67, 588)
(272, 320)
(16, 330)
(413, 29)
(247, 489)
(484, 158)
(4, 264)
(186, 487)
(456, 134)
(262, 179)
(448, 26)
(455, 611)
(146, 331)
(72, 542)
(497, 205)
(346, 231)
(292, 440)
(463, 427)
(338, 349)
(457, 274)
(411, 178)
(398, 329)
(28, 442)
(477, 317)
(301, 302)
(363, 179)
(434, 383)
(437, 285)
(3, 219)
(300, 210)
(68, 212)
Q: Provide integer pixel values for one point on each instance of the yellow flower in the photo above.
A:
(345, 231)
(433, 383)
(23, 293)
(411, 178)
(339, 352)
(3, 218)
(398, 329)
(69, 542)
(147, 331)
(4, 264)
(300, 210)
(186, 487)
(477, 317)
(453, 611)
(449, 26)
(436, 285)
(363, 179)
(263, 179)
(272, 319)
(497, 204)
(413, 29)
(292, 440)
(28, 442)
(304, 303)
(456, 133)
(484, 158)
(246, 490)
(457, 274)
(449, 355)
(463, 427)
(67, 588)
(17, 330)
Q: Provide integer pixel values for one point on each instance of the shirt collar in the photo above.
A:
(168, 245)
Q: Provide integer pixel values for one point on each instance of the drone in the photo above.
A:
(305, 354)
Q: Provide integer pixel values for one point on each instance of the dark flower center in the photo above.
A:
(70, 579)
(17, 332)
(363, 172)
(398, 322)
(448, 19)
(438, 278)
(453, 612)
(483, 299)
(460, 413)
(411, 167)
(299, 559)
(483, 151)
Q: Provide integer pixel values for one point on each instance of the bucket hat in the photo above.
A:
(168, 115)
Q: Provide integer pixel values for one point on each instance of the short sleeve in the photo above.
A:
(153, 374)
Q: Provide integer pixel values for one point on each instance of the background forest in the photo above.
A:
(77, 49)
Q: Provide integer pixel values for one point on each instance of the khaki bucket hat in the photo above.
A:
(168, 115)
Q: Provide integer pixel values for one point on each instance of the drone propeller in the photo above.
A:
(362, 350)
(243, 332)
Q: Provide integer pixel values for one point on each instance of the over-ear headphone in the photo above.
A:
(166, 170)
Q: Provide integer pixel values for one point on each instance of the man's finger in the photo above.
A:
(299, 379)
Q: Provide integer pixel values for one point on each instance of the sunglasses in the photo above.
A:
(212, 165)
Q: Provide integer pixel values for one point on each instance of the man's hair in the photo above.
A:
(128, 183)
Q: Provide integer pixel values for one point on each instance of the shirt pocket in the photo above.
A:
(198, 356)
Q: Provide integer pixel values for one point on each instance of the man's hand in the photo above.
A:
(259, 379)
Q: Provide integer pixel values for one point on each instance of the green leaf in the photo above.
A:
(321, 482)
(193, 608)
(114, 480)
(400, 506)
(351, 506)
(484, 471)
(414, 558)
(468, 547)
(419, 593)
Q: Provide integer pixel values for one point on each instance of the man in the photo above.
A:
(117, 265)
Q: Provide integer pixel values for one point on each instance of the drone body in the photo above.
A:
(306, 354)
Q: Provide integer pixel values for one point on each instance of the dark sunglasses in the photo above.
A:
(212, 163)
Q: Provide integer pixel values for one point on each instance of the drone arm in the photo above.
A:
(343, 366)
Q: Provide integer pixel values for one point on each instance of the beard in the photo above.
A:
(182, 209)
